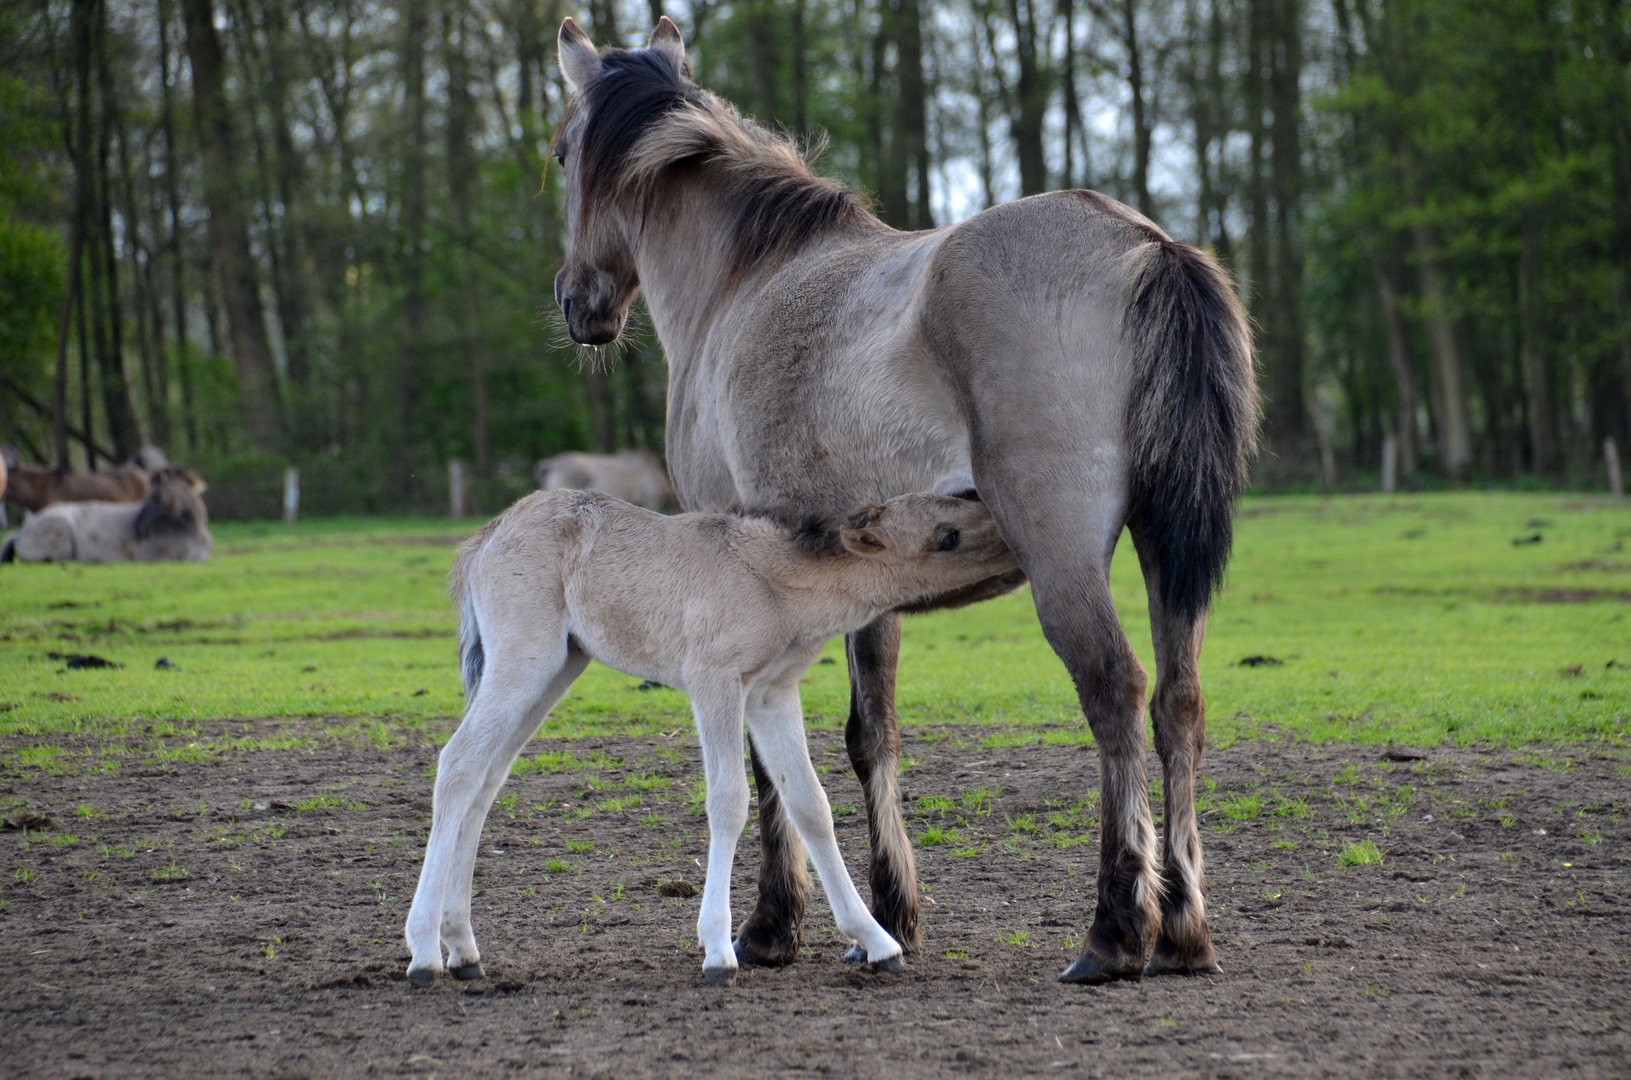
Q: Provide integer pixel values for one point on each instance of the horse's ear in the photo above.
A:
(666, 39)
(863, 542)
(580, 62)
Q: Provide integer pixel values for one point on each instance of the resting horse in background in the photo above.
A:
(1060, 355)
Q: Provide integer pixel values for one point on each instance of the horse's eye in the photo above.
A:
(560, 156)
(949, 540)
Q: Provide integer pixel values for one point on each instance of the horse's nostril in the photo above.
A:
(566, 308)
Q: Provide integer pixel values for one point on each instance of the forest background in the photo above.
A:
(320, 233)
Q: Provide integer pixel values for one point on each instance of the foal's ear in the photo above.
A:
(666, 39)
(863, 542)
(580, 61)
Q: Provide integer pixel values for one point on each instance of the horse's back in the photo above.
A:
(48, 536)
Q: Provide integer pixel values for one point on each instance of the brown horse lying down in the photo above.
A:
(169, 525)
(36, 488)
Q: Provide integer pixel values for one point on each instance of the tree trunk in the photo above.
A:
(172, 198)
(1142, 121)
(229, 236)
(1288, 419)
(110, 353)
(461, 190)
(1074, 131)
(800, 47)
(761, 18)
(415, 20)
(1027, 119)
(1454, 431)
(1531, 355)
(1399, 359)
(911, 117)
(80, 150)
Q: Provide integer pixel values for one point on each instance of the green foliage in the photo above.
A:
(1363, 853)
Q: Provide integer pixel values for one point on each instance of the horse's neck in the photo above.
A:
(683, 259)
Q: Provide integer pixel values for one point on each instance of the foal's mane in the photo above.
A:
(643, 115)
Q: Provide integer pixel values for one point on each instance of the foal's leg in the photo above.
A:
(515, 693)
(1178, 714)
(776, 724)
(717, 703)
(873, 741)
(772, 934)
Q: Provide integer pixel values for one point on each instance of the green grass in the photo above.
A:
(1410, 619)
(1364, 853)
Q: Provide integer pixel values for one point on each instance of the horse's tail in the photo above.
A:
(1191, 422)
(472, 657)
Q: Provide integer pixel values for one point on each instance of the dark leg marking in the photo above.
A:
(873, 743)
(773, 932)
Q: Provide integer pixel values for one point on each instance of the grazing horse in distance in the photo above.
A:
(731, 610)
(35, 488)
(634, 476)
(1061, 354)
(170, 524)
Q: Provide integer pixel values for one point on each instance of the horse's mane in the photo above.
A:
(643, 114)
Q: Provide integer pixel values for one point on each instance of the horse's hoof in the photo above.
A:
(856, 955)
(1169, 961)
(748, 956)
(720, 976)
(423, 976)
(466, 972)
(1090, 970)
(890, 966)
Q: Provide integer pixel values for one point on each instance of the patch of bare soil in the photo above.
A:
(242, 917)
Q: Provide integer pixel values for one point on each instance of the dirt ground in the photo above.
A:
(242, 916)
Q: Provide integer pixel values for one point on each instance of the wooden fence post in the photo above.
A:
(291, 495)
(455, 489)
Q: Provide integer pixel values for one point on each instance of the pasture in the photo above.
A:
(1413, 808)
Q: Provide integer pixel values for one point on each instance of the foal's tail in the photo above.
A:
(1192, 419)
(472, 657)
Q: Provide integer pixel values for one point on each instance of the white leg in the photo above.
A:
(776, 722)
(718, 708)
(515, 694)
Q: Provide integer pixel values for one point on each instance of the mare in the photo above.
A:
(1060, 354)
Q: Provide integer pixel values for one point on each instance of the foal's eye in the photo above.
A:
(950, 540)
(560, 156)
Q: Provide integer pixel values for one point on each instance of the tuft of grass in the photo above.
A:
(934, 804)
(1244, 808)
(648, 782)
(171, 872)
(557, 866)
(1020, 938)
(1363, 853)
(578, 847)
(319, 802)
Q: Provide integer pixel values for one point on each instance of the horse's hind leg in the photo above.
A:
(515, 693)
(1178, 713)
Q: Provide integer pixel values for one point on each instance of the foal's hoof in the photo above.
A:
(720, 976)
(466, 972)
(423, 976)
(1093, 970)
(857, 955)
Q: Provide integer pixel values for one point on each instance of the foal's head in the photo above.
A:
(929, 542)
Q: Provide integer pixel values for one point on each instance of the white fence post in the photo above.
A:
(291, 495)
(455, 488)
(1611, 458)
(1390, 463)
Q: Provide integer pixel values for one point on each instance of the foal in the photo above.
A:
(732, 610)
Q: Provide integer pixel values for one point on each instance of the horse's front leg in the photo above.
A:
(718, 706)
(772, 934)
(873, 741)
